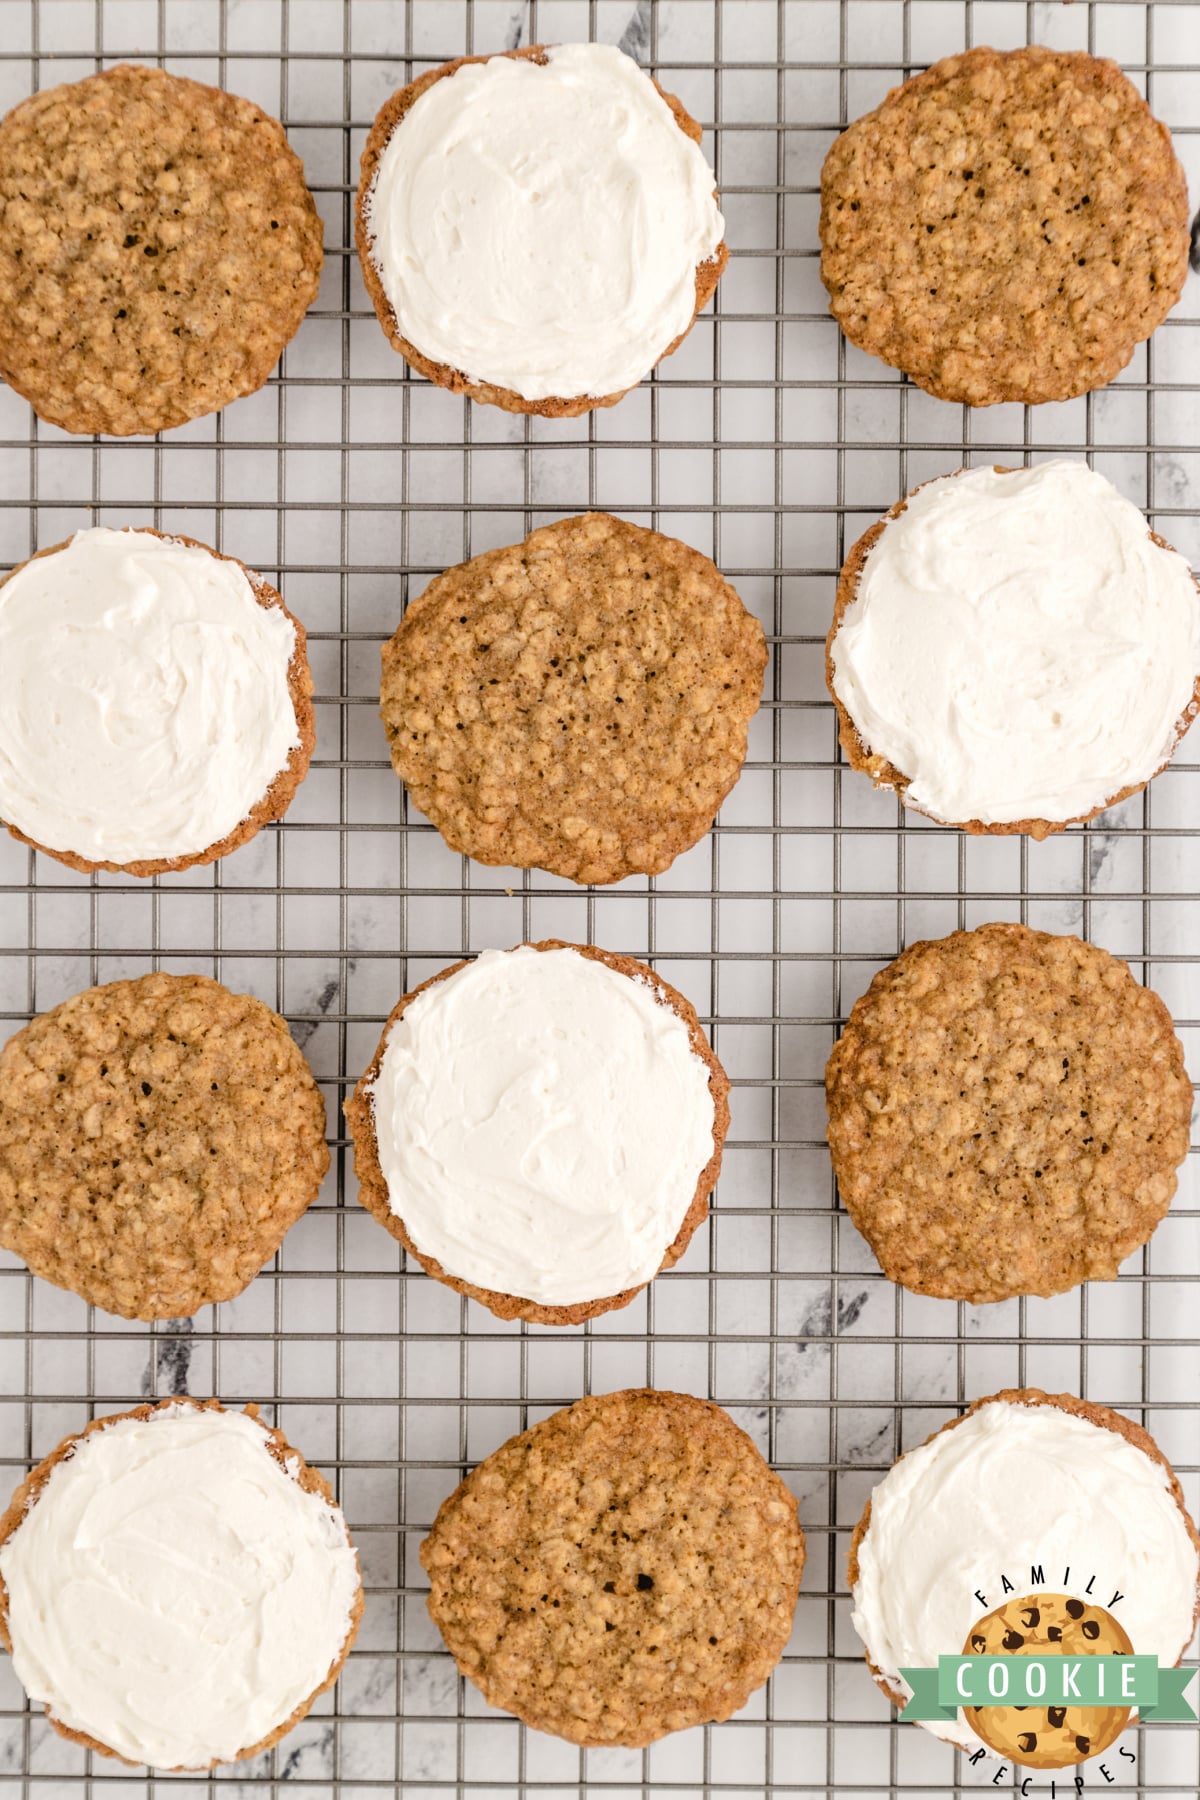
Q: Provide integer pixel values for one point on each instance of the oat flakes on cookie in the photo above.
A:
(538, 228)
(177, 1586)
(627, 1568)
(1007, 226)
(158, 248)
(577, 703)
(159, 708)
(1007, 1112)
(541, 1128)
(1068, 1503)
(1014, 650)
(158, 1138)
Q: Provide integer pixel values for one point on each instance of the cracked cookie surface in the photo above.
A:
(158, 248)
(1007, 1112)
(1006, 226)
(577, 703)
(627, 1568)
(158, 1137)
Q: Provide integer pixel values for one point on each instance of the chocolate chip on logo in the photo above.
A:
(978, 1644)
(1056, 1716)
(1054, 1633)
(1091, 1629)
(1027, 1741)
(1012, 1640)
(1076, 1608)
(1083, 1744)
(1031, 1617)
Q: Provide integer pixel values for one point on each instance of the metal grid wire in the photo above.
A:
(770, 443)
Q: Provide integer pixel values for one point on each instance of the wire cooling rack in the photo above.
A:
(770, 443)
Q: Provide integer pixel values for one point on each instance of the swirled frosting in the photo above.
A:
(147, 708)
(542, 1123)
(1018, 646)
(173, 1592)
(538, 226)
(1016, 1488)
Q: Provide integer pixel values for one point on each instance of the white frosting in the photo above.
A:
(146, 704)
(174, 1593)
(539, 227)
(542, 1122)
(1011, 1489)
(1018, 645)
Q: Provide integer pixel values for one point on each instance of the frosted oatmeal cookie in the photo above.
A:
(1030, 1504)
(1007, 226)
(160, 702)
(158, 1138)
(627, 1568)
(538, 228)
(177, 1586)
(1007, 1112)
(1014, 650)
(158, 248)
(577, 703)
(541, 1128)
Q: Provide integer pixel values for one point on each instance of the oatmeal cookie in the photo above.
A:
(577, 703)
(375, 1192)
(102, 1694)
(389, 119)
(1071, 705)
(168, 698)
(916, 1493)
(158, 1138)
(1007, 226)
(158, 248)
(1007, 1112)
(627, 1568)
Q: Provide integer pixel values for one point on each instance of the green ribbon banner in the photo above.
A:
(1048, 1681)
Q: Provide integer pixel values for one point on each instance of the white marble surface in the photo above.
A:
(354, 485)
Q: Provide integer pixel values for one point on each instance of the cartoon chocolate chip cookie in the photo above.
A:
(1047, 1737)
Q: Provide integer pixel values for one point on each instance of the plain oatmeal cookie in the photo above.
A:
(1007, 1112)
(1007, 226)
(577, 703)
(158, 1138)
(158, 248)
(627, 1568)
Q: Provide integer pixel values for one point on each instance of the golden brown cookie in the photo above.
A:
(1007, 226)
(390, 116)
(885, 774)
(1007, 1112)
(1047, 1737)
(373, 1188)
(158, 248)
(627, 1568)
(1105, 1419)
(577, 703)
(158, 1138)
(282, 790)
(289, 1459)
